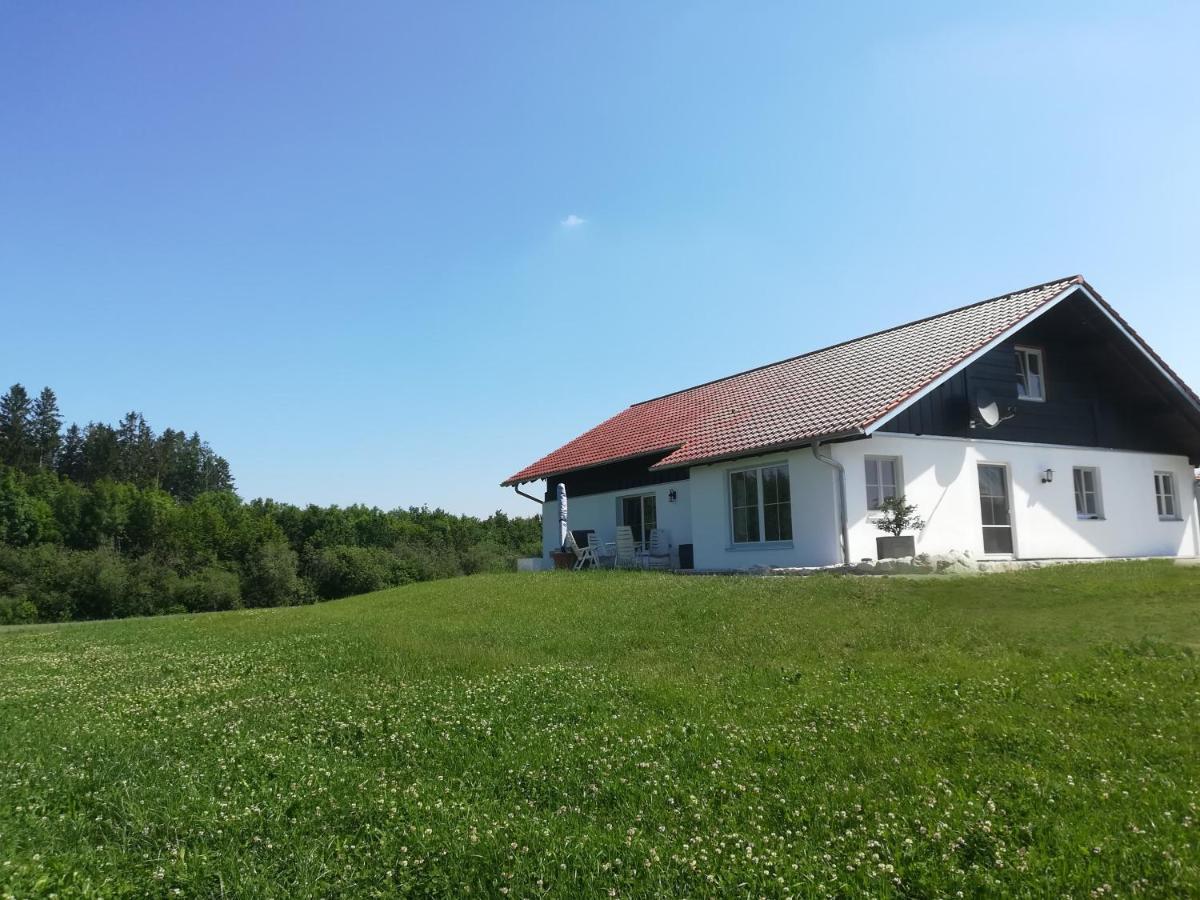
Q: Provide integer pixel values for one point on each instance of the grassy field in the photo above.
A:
(619, 735)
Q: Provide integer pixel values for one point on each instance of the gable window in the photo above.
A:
(640, 513)
(883, 480)
(760, 501)
(1031, 374)
(1087, 493)
(1164, 495)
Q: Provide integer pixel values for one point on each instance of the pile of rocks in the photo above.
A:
(956, 562)
(953, 563)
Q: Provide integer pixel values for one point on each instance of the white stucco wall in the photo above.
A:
(814, 534)
(599, 512)
(940, 477)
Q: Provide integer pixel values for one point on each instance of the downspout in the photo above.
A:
(517, 488)
(840, 480)
(1196, 516)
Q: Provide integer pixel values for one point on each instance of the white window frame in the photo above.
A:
(1023, 353)
(762, 541)
(898, 464)
(1171, 493)
(1096, 492)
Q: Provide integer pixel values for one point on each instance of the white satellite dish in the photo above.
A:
(987, 409)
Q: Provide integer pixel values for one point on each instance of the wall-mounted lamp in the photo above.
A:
(1047, 476)
(671, 495)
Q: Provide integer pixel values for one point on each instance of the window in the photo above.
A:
(1087, 493)
(1164, 494)
(641, 515)
(883, 479)
(760, 501)
(1031, 375)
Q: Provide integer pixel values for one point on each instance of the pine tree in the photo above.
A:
(17, 446)
(214, 471)
(135, 443)
(47, 424)
(70, 461)
(100, 453)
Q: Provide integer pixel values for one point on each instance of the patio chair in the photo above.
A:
(600, 550)
(626, 557)
(659, 554)
(583, 555)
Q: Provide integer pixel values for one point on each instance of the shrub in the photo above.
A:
(269, 576)
(17, 611)
(898, 516)
(99, 584)
(208, 590)
(342, 570)
(149, 585)
(487, 557)
(424, 562)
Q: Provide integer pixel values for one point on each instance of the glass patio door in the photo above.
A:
(641, 515)
(995, 510)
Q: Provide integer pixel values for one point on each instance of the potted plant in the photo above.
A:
(563, 559)
(897, 516)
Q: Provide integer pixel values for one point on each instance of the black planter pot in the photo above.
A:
(895, 547)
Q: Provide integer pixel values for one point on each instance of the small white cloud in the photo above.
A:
(573, 221)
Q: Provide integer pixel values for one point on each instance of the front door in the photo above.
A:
(995, 509)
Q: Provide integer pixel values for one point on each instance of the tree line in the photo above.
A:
(109, 521)
(32, 440)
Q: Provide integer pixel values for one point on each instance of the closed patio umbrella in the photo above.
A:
(562, 516)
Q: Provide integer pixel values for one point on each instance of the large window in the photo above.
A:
(1164, 495)
(1087, 493)
(1031, 374)
(641, 515)
(883, 480)
(761, 504)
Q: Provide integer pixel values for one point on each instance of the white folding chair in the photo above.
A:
(626, 557)
(583, 555)
(659, 554)
(599, 550)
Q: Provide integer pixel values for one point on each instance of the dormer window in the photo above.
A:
(1031, 374)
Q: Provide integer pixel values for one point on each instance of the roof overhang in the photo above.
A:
(546, 476)
(834, 437)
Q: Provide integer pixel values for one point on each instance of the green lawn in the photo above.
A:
(591, 735)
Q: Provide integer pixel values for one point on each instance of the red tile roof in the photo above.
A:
(836, 391)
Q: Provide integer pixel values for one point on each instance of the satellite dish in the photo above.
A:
(987, 410)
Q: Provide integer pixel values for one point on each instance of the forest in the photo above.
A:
(105, 521)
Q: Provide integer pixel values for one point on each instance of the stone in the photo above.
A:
(958, 568)
(923, 564)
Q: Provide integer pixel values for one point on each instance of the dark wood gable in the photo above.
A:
(623, 475)
(1101, 391)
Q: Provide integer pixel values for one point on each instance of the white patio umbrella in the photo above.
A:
(562, 516)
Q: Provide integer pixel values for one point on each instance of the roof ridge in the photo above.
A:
(1073, 279)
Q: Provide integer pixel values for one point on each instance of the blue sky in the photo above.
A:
(342, 241)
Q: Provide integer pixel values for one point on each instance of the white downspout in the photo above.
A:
(1196, 516)
(840, 484)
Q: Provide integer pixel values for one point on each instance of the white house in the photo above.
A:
(1033, 425)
